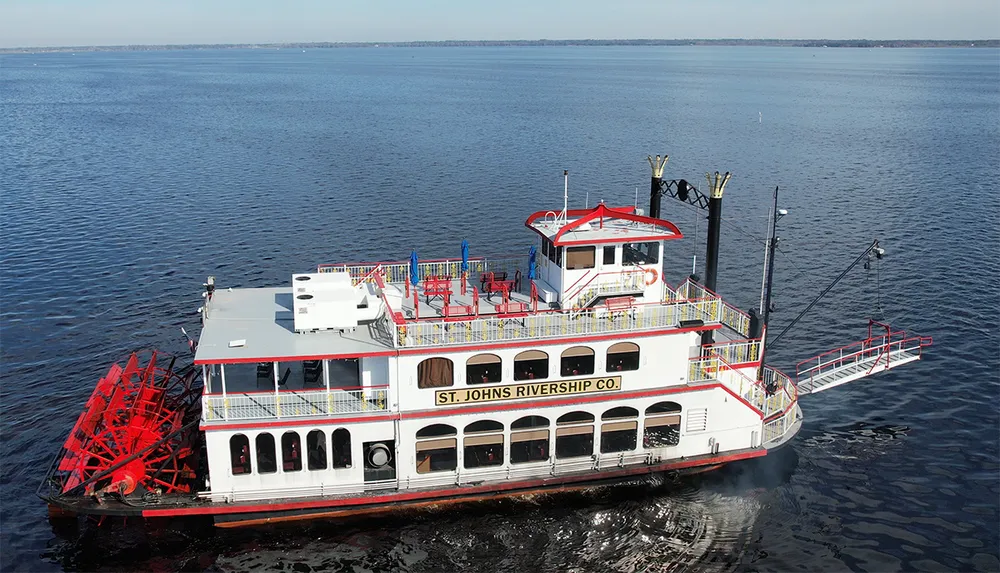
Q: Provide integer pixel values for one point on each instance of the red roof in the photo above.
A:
(603, 213)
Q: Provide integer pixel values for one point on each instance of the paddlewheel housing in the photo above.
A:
(137, 437)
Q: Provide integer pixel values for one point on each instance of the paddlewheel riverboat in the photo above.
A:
(365, 387)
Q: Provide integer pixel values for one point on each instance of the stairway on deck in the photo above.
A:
(850, 371)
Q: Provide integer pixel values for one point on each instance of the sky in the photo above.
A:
(37, 23)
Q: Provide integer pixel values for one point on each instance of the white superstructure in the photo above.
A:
(575, 360)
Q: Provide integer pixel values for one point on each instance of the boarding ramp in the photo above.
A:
(859, 360)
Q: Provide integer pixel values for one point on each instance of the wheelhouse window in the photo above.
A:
(531, 365)
(662, 426)
(580, 258)
(641, 253)
(529, 440)
(435, 373)
(623, 356)
(267, 463)
(575, 435)
(341, 448)
(291, 452)
(436, 449)
(618, 430)
(483, 444)
(577, 361)
(239, 451)
(609, 255)
(483, 369)
(316, 450)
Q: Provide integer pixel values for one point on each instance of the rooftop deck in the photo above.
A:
(248, 325)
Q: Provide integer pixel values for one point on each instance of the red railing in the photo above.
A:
(877, 347)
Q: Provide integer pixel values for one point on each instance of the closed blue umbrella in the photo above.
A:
(465, 255)
(414, 269)
(532, 253)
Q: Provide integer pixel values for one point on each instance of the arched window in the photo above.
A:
(341, 448)
(316, 449)
(529, 439)
(267, 463)
(483, 369)
(436, 430)
(623, 356)
(662, 426)
(619, 413)
(291, 452)
(530, 422)
(239, 451)
(577, 417)
(620, 434)
(483, 427)
(483, 444)
(531, 365)
(435, 452)
(575, 435)
(435, 373)
(577, 361)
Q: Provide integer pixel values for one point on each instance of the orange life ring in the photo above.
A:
(651, 276)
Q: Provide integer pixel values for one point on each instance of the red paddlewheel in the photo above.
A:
(129, 434)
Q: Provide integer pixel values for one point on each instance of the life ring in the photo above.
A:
(651, 276)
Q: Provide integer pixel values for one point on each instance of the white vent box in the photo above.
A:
(325, 301)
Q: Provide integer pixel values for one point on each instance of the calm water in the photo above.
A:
(129, 177)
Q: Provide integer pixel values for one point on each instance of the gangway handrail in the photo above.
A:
(884, 343)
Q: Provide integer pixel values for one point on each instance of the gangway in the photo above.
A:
(859, 360)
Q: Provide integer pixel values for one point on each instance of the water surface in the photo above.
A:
(130, 177)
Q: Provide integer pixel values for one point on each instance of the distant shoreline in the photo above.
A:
(504, 43)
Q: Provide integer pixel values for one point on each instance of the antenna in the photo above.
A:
(586, 204)
(763, 276)
(565, 212)
(636, 206)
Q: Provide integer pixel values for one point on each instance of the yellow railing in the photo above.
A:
(714, 369)
(738, 352)
(736, 319)
(554, 324)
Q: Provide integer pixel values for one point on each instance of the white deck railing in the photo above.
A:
(736, 319)
(689, 302)
(738, 351)
(292, 404)
(714, 369)
(779, 426)
(553, 324)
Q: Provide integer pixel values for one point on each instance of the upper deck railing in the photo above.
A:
(738, 351)
(553, 324)
(731, 316)
(399, 272)
(689, 302)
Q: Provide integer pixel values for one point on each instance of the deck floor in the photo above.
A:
(435, 306)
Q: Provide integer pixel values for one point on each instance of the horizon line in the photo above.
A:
(802, 42)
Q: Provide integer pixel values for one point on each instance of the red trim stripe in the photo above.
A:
(226, 508)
